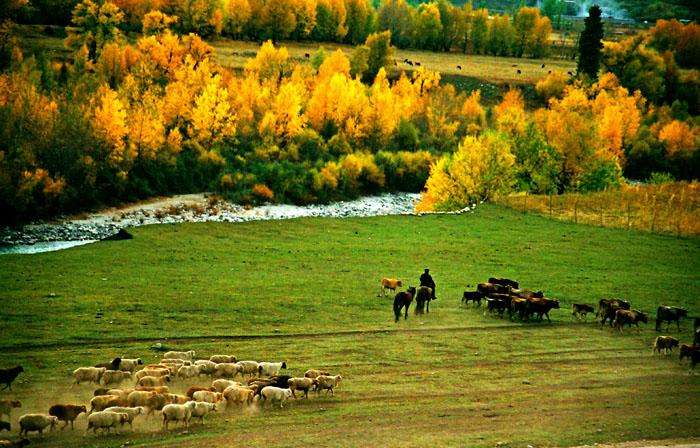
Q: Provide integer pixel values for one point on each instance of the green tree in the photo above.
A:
(590, 44)
(380, 52)
(428, 27)
(396, 16)
(480, 31)
(554, 10)
(359, 21)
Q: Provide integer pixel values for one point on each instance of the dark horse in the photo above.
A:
(424, 295)
(403, 299)
(669, 314)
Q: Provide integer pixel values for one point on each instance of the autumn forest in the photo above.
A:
(143, 107)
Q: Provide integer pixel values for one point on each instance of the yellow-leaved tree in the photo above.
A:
(480, 168)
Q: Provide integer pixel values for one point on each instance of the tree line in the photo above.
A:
(437, 25)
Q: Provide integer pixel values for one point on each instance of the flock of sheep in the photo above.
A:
(112, 407)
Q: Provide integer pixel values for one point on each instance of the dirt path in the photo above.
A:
(648, 444)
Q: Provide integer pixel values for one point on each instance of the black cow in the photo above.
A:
(670, 314)
(580, 310)
(504, 282)
(495, 305)
(472, 296)
(542, 307)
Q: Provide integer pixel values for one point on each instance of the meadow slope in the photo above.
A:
(305, 291)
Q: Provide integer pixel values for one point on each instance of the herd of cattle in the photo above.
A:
(112, 406)
(505, 295)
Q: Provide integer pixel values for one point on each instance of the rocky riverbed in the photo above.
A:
(42, 237)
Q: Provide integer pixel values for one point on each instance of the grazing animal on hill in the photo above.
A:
(670, 314)
(313, 373)
(686, 350)
(6, 407)
(418, 64)
(301, 384)
(36, 422)
(327, 383)
(112, 365)
(665, 343)
(7, 376)
(423, 297)
(472, 296)
(628, 317)
(403, 300)
(492, 288)
(67, 413)
(580, 310)
(504, 282)
(527, 294)
(275, 394)
(497, 305)
(519, 72)
(542, 307)
(390, 284)
(307, 55)
(459, 67)
(608, 307)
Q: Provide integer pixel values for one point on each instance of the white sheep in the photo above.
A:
(226, 370)
(301, 384)
(88, 374)
(188, 372)
(102, 402)
(139, 398)
(177, 398)
(206, 367)
(218, 359)
(325, 382)
(106, 420)
(189, 355)
(201, 409)
(271, 368)
(115, 376)
(152, 372)
(152, 381)
(238, 394)
(273, 394)
(221, 384)
(178, 413)
(207, 396)
(36, 422)
(131, 412)
(247, 367)
(121, 393)
(130, 364)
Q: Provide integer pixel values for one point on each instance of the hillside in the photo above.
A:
(306, 291)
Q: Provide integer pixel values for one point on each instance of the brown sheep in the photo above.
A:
(67, 413)
(313, 373)
(6, 407)
(190, 392)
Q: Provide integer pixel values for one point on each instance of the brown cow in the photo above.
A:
(628, 317)
(492, 288)
(542, 307)
(686, 350)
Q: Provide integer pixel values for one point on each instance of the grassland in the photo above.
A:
(305, 291)
(671, 208)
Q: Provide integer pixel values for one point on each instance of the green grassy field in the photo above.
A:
(306, 291)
